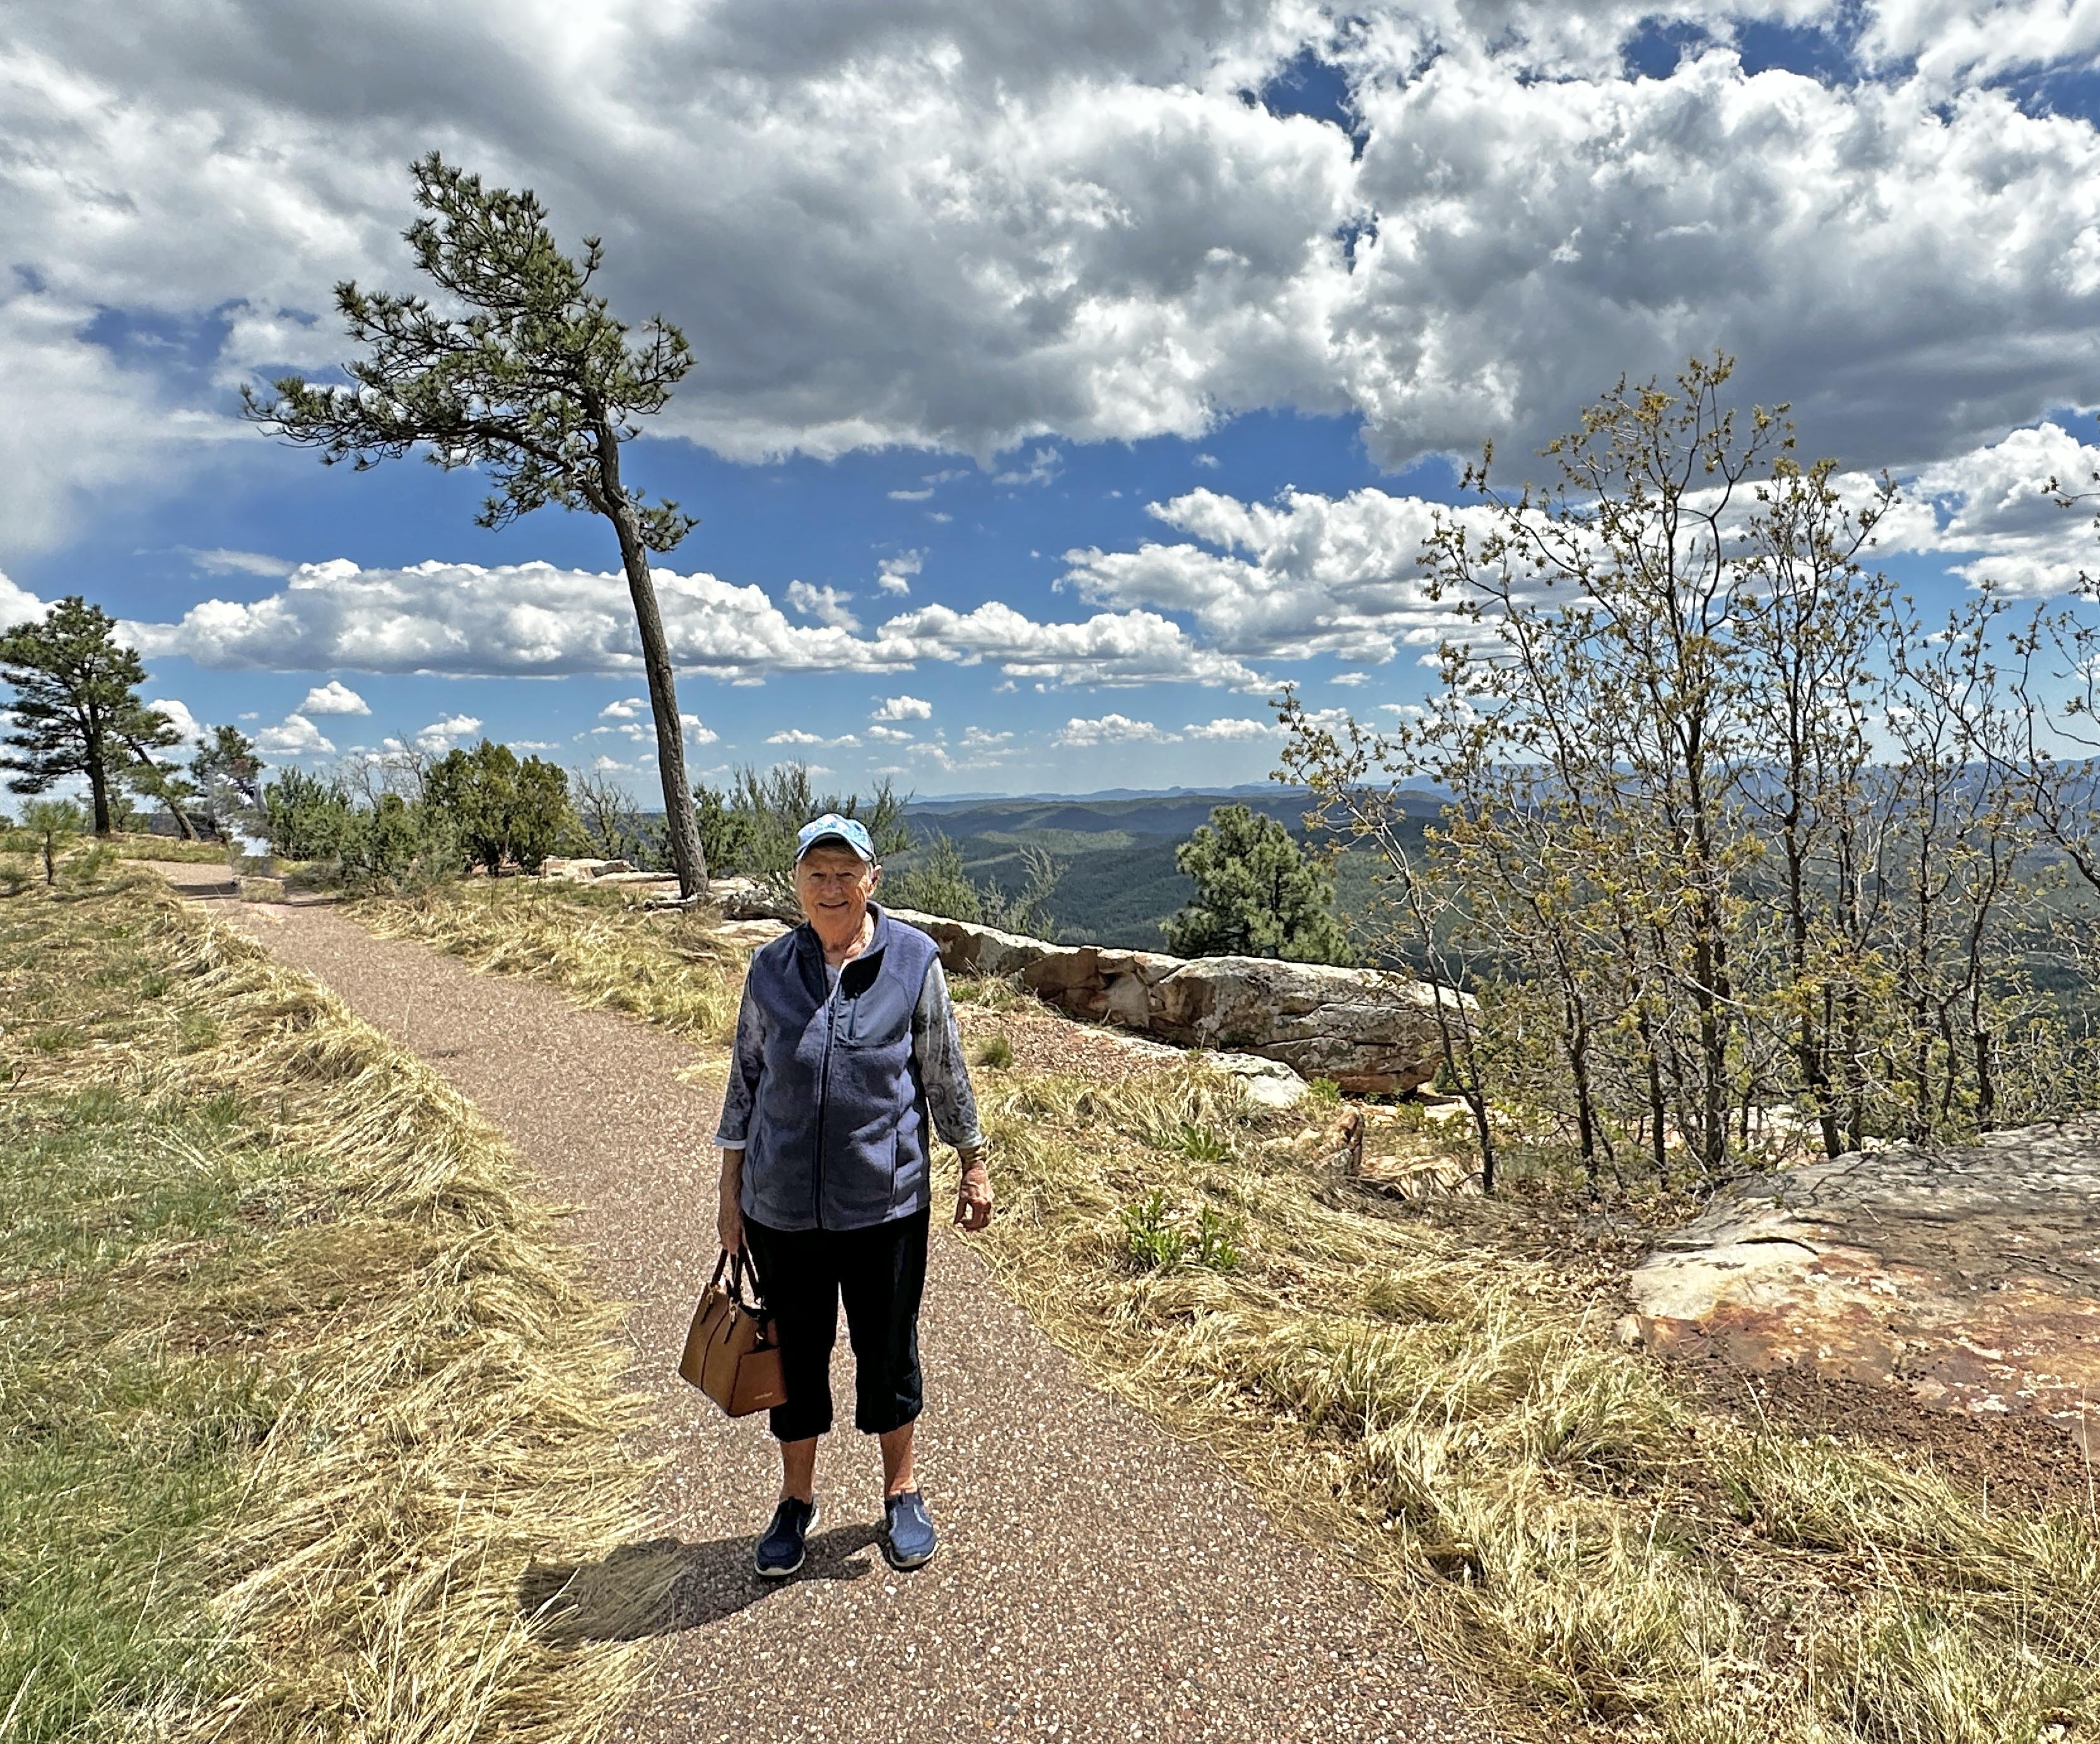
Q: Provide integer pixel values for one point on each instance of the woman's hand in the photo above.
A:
(974, 1196)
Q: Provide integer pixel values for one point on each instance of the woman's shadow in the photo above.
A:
(665, 1585)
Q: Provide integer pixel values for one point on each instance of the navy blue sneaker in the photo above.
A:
(908, 1538)
(786, 1542)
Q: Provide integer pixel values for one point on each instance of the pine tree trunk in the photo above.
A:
(679, 824)
(98, 787)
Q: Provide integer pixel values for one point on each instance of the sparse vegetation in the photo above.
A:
(1728, 826)
(1596, 1552)
(749, 830)
(933, 882)
(133, 846)
(299, 1385)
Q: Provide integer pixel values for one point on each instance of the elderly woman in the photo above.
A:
(845, 1043)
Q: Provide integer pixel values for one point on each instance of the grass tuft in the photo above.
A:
(994, 1052)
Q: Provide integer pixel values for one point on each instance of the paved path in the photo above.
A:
(1096, 1579)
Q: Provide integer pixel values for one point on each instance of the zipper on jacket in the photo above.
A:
(824, 1075)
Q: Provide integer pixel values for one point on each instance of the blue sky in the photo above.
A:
(1065, 382)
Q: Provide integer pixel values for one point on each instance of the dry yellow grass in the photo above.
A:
(1592, 1551)
(667, 967)
(437, 1399)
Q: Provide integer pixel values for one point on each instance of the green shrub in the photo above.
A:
(994, 1051)
(936, 884)
(502, 811)
(304, 817)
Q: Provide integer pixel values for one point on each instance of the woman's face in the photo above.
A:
(833, 885)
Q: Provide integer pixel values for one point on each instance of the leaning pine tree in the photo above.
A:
(529, 377)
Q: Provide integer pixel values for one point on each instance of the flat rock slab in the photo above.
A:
(1971, 1278)
(1097, 1580)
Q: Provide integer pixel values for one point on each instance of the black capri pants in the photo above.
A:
(881, 1273)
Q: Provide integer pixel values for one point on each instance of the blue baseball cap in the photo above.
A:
(831, 827)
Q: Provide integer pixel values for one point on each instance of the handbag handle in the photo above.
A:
(743, 1285)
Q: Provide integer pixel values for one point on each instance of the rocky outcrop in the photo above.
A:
(1366, 1030)
(1970, 1277)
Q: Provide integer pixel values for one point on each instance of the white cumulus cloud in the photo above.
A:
(333, 697)
(442, 736)
(894, 574)
(294, 736)
(1238, 729)
(1995, 508)
(1303, 575)
(903, 708)
(826, 605)
(180, 718)
(508, 619)
(801, 736)
(535, 619)
(1109, 648)
(1081, 733)
(18, 605)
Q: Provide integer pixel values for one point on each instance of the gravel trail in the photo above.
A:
(1097, 1579)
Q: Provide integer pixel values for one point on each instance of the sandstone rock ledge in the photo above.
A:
(1364, 1028)
(1971, 1278)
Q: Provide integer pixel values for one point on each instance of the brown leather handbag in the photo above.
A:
(729, 1352)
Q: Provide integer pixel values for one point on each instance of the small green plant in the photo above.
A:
(1202, 1144)
(994, 1051)
(1324, 1091)
(1153, 1244)
(52, 824)
(1215, 1248)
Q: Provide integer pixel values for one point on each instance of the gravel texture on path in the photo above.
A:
(1096, 1579)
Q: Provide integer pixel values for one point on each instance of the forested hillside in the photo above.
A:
(1119, 883)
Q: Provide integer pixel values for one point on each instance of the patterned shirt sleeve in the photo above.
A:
(937, 1045)
(742, 1095)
